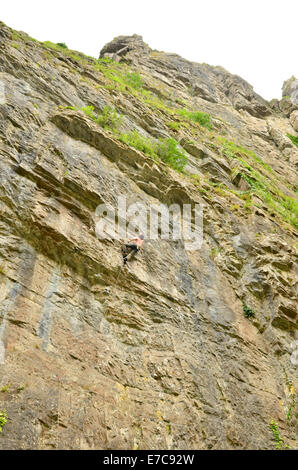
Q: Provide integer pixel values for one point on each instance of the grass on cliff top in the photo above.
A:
(60, 47)
(122, 78)
(75, 55)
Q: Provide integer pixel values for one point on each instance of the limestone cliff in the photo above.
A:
(182, 350)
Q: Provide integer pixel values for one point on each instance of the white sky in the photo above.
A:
(255, 39)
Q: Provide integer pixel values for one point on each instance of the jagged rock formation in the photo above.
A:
(160, 355)
(289, 102)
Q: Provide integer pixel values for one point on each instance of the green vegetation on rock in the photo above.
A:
(248, 312)
(139, 142)
(134, 80)
(75, 55)
(120, 76)
(169, 152)
(265, 186)
(232, 150)
(3, 419)
(166, 150)
(173, 125)
(203, 119)
(279, 442)
(293, 138)
(62, 44)
(108, 118)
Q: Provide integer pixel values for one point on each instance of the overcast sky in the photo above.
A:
(255, 39)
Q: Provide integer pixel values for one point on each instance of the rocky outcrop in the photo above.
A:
(122, 45)
(183, 349)
(289, 102)
(294, 120)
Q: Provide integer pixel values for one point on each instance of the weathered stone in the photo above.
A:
(294, 120)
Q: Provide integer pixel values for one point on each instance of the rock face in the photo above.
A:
(289, 101)
(184, 349)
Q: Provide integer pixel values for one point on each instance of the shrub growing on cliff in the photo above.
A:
(134, 80)
(171, 154)
(62, 44)
(166, 150)
(89, 110)
(203, 119)
(108, 118)
(136, 140)
(248, 312)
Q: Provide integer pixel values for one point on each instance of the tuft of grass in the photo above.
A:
(175, 126)
(203, 119)
(248, 312)
(292, 403)
(214, 252)
(293, 138)
(120, 76)
(15, 45)
(109, 118)
(3, 419)
(275, 199)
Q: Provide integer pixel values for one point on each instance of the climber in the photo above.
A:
(132, 247)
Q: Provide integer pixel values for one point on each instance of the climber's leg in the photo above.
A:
(129, 251)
